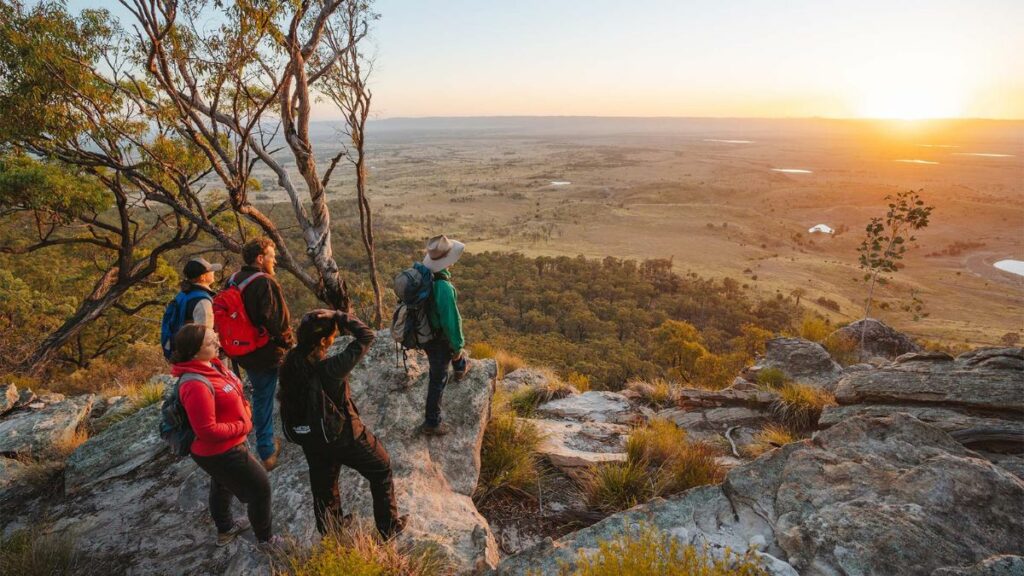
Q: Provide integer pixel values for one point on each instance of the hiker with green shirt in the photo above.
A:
(447, 346)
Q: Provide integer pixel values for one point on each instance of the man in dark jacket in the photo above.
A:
(266, 308)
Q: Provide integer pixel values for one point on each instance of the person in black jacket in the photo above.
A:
(267, 310)
(335, 436)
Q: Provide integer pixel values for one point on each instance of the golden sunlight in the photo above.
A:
(912, 91)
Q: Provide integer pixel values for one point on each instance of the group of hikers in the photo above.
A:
(248, 323)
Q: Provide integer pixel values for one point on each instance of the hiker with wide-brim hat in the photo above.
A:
(447, 347)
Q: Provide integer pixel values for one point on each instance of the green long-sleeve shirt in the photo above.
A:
(444, 313)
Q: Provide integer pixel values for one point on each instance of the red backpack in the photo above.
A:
(238, 335)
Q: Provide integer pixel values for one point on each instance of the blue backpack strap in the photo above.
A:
(197, 294)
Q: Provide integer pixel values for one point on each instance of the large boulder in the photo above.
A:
(572, 445)
(36, 432)
(802, 360)
(885, 496)
(146, 510)
(879, 339)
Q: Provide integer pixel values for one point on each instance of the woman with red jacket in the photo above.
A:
(221, 418)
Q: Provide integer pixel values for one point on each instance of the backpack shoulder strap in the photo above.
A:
(245, 283)
(189, 376)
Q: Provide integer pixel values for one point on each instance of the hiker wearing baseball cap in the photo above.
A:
(193, 304)
(446, 321)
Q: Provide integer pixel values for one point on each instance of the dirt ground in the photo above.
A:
(706, 193)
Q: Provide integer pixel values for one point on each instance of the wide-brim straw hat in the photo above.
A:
(442, 253)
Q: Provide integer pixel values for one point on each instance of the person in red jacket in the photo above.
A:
(221, 418)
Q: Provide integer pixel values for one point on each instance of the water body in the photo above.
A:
(792, 170)
(915, 161)
(983, 154)
(729, 141)
(560, 182)
(1011, 266)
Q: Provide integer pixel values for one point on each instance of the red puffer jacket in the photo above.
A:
(220, 420)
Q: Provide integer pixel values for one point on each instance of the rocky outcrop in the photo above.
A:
(878, 339)
(525, 377)
(572, 446)
(885, 496)
(593, 406)
(146, 510)
(802, 360)
(36, 430)
(978, 397)
(1003, 565)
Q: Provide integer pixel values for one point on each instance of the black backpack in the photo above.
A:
(174, 426)
(313, 417)
(410, 325)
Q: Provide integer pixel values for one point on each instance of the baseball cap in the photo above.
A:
(196, 267)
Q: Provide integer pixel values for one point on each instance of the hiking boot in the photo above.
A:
(460, 374)
(270, 462)
(240, 525)
(439, 430)
(275, 545)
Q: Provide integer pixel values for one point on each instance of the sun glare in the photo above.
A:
(911, 90)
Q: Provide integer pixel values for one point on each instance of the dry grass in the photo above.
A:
(649, 552)
(815, 328)
(481, 350)
(656, 443)
(508, 454)
(357, 550)
(63, 448)
(526, 400)
(32, 552)
(658, 393)
(843, 349)
(798, 406)
(772, 378)
(147, 395)
(769, 438)
(581, 382)
(506, 361)
(618, 486)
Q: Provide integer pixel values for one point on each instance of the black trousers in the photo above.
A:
(439, 356)
(367, 456)
(237, 473)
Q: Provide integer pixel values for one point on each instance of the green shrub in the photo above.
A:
(617, 486)
(357, 550)
(771, 378)
(798, 406)
(508, 455)
(650, 552)
(31, 552)
(771, 436)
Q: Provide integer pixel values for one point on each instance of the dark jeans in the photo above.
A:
(367, 456)
(237, 473)
(439, 355)
(263, 386)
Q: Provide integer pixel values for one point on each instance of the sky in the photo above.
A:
(705, 58)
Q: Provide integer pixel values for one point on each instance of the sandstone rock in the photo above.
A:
(524, 378)
(1003, 565)
(948, 419)
(147, 510)
(593, 406)
(571, 445)
(36, 432)
(923, 357)
(993, 358)
(802, 360)
(879, 339)
(994, 390)
(8, 397)
(117, 450)
(882, 496)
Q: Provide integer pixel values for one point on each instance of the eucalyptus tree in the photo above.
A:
(187, 97)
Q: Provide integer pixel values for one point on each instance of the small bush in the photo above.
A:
(508, 455)
(581, 382)
(356, 550)
(815, 329)
(842, 348)
(798, 406)
(657, 393)
(828, 304)
(526, 400)
(768, 438)
(31, 552)
(656, 443)
(618, 486)
(650, 552)
(507, 362)
(771, 378)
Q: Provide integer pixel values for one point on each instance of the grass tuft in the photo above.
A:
(617, 486)
(525, 401)
(31, 552)
(769, 438)
(657, 393)
(63, 448)
(508, 454)
(147, 395)
(772, 378)
(656, 443)
(798, 406)
(357, 550)
(649, 552)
